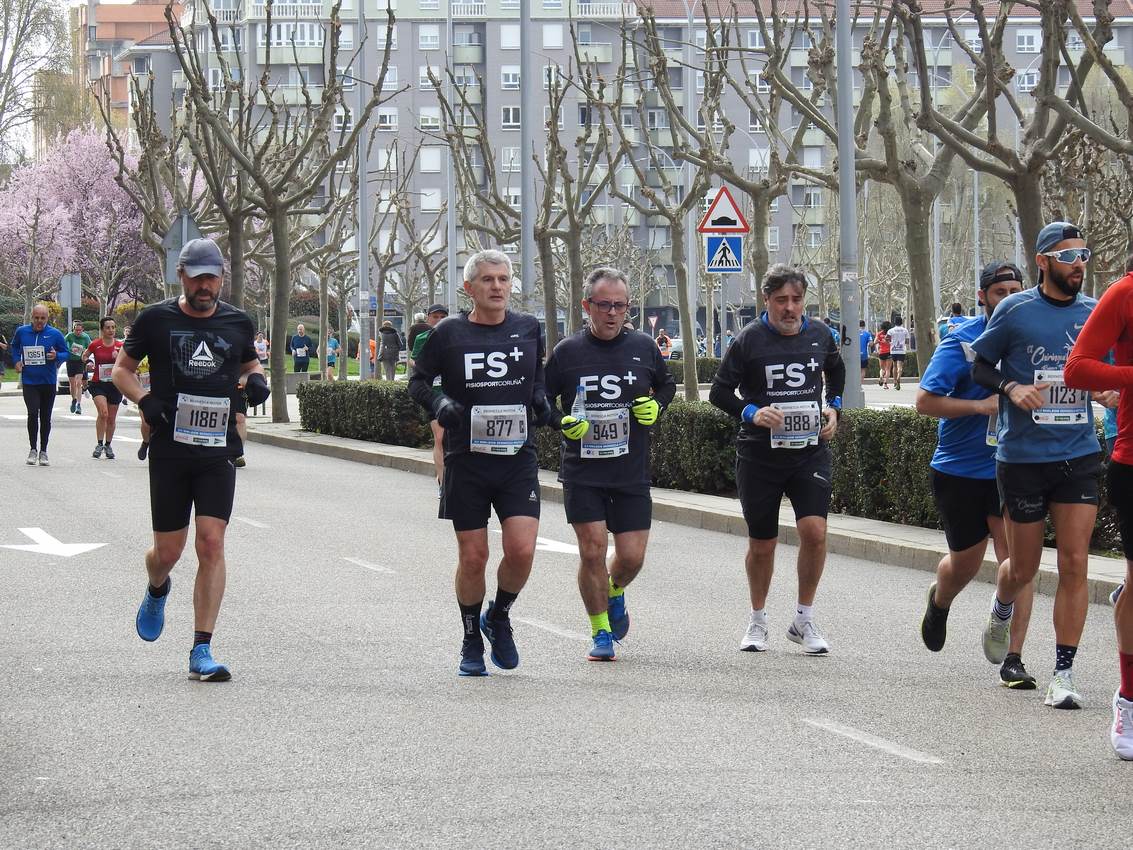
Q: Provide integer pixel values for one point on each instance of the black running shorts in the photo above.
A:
(622, 509)
(898, 358)
(474, 484)
(76, 368)
(964, 505)
(110, 392)
(1027, 489)
(762, 487)
(1120, 483)
(178, 485)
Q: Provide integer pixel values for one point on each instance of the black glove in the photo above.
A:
(449, 413)
(156, 412)
(256, 389)
(544, 411)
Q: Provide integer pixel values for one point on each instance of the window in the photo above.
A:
(513, 196)
(774, 205)
(762, 86)
(423, 75)
(1027, 81)
(464, 76)
(389, 81)
(773, 239)
(1074, 41)
(430, 200)
(467, 38)
(1028, 40)
(547, 117)
(552, 73)
(346, 37)
(380, 34)
(754, 124)
(812, 197)
(429, 37)
(657, 119)
(346, 80)
(509, 36)
(758, 158)
(701, 38)
(387, 118)
(216, 79)
(552, 4)
(585, 115)
(343, 120)
(699, 82)
(429, 118)
(755, 39)
(509, 77)
(509, 159)
(974, 40)
(812, 157)
(509, 4)
(659, 238)
(141, 64)
(629, 116)
(509, 117)
(552, 36)
(429, 5)
(429, 160)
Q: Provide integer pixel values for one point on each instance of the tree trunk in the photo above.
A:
(688, 327)
(709, 314)
(324, 321)
(550, 303)
(236, 257)
(916, 204)
(757, 237)
(381, 292)
(1029, 204)
(344, 334)
(577, 274)
(280, 301)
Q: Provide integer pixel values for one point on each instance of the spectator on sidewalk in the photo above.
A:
(390, 350)
(301, 347)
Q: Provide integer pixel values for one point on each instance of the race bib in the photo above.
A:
(300, 352)
(1062, 405)
(498, 429)
(802, 420)
(608, 435)
(104, 370)
(35, 355)
(76, 349)
(201, 420)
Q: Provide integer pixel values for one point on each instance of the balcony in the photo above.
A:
(468, 54)
(468, 10)
(304, 55)
(600, 52)
(1113, 53)
(290, 95)
(815, 138)
(473, 94)
(285, 11)
(653, 98)
(597, 176)
(608, 11)
(808, 215)
(662, 136)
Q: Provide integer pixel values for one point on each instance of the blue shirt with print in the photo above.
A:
(1028, 333)
(864, 339)
(961, 443)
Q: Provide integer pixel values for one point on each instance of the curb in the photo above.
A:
(857, 537)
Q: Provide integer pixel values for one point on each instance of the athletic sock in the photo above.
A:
(201, 637)
(101, 443)
(470, 620)
(503, 603)
(1002, 610)
(804, 613)
(600, 623)
(1126, 661)
(936, 608)
(158, 592)
(1012, 656)
(615, 589)
(1064, 656)
(759, 615)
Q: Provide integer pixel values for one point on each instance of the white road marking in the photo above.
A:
(44, 544)
(250, 522)
(109, 474)
(366, 565)
(552, 628)
(873, 741)
(545, 544)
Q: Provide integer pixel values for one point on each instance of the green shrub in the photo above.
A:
(911, 368)
(693, 448)
(705, 369)
(365, 410)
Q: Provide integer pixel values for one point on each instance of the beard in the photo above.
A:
(1064, 284)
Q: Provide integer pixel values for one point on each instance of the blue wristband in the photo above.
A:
(836, 402)
(749, 413)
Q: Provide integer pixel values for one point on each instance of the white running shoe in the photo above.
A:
(33, 457)
(1121, 733)
(1061, 692)
(996, 638)
(43, 461)
(807, 635)
(756, 638)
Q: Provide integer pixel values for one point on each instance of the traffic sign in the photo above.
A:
(181, 230)
(71, 290)
(724, 255)
(373, 306)
(723, 215)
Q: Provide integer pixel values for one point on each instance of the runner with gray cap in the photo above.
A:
(200, 350)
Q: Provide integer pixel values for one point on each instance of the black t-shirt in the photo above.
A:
(768, 368)
(612, 373)
(481, 365)
(202, 358)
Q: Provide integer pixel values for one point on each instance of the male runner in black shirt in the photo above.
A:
(625, 385)
(778, 363)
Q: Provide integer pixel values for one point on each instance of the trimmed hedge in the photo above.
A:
(705, 369)
(881, 457)
(911, 369)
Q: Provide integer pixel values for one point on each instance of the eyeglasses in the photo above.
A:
(609, 306)
(1069, 255)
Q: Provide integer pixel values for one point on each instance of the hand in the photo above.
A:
(542, 410)
(574, 428)
(987, 407)
(449, 413)
(645, 410)
(768, 417)
(830, 427)
(155, 412)
(1109, 398)
(51, 355)
(256, 389)
(1028, 396)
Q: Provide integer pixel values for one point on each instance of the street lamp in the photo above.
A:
(848, 212)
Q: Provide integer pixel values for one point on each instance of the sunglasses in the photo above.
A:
(609, 306)
(1070, 255)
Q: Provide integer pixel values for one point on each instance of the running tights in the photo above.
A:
(38, 398)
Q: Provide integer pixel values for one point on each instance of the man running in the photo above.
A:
(963, 475)
(1110, 328)
(435, 314)
(1048, 459)
(333, 348)
(778, 364)
(199, 349)
(36, 349)
(490, 362)
(615, 383)
(106, 396)
(898, 349)
(77, 342)
(301, 347)
(864, 340)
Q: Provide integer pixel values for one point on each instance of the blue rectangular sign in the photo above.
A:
(724, 255)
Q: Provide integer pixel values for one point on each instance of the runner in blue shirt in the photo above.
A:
(36, 351)
(864, 340)
(963, 474)
(1048, 458)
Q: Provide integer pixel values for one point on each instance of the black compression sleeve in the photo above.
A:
(835, 373)
(986, 375)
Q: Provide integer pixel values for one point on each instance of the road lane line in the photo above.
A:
(250, 522)
(869, 740)
(368, 566)
(552, 628)
(546, 544)
(109, 474)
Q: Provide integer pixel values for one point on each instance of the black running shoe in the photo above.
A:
(934, 624)
(472, 658)
(1014, 675)
(498, 632)
(143, 449)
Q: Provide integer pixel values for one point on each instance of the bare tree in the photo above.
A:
(33, 38)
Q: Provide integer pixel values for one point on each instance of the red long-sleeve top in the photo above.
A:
(1109, 328)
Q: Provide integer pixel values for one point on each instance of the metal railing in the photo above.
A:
(468, 10)
(288, 10)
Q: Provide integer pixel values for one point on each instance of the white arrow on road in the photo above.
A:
(45, 544)
(545, 544)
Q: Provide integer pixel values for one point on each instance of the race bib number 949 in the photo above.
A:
(608, 435)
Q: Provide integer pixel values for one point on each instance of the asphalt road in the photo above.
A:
(345, 723)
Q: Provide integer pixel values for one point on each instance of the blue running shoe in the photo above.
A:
(151, 615)
(602, 649)
(203, 668)
(472, 658)
(619, 616)
(498, 633)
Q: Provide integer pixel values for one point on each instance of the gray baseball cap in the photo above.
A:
(438, 308)
(201, 256)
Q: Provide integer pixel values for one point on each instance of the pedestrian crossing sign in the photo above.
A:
(724, 255)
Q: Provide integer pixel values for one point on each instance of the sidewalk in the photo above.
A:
(872, 540)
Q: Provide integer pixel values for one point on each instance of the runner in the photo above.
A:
(36, 349)
(77, 343)
(301, 347)
(778, 364)
(664, 344)
(333, 347)
(435, 314)
(106, 396)
(864, 340)
(963, 475)
(490, 361)
(1048, 458)
(615, 383)
(199, 348)
(884, 363)
(898, 348)
(263, 352)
